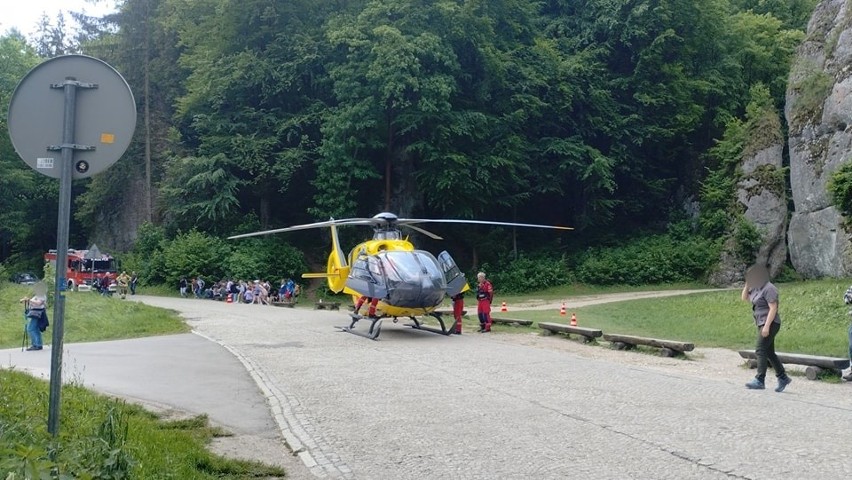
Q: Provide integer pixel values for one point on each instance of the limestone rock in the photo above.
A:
(819, 242)
(762, 192)
(819, 113)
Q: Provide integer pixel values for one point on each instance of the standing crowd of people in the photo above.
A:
(259, 291)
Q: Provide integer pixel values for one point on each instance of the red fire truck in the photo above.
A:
(84, 266)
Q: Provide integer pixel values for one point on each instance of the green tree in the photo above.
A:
(195, 254)
(22, 213)
(255, 90)
(201, 190)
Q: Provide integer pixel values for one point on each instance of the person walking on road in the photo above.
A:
(484, 297)
(763, 296)
(182, 286)
(134, 280)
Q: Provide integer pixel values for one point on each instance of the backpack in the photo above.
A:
(43, 322)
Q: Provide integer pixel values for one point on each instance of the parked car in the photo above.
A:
(24, 278)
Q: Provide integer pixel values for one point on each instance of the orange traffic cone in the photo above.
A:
(573, 319)
(504, 308)
(230, 298)
(562, 310)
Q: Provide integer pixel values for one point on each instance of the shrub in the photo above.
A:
(840, 189)
(528, 273)
(747, 240)
(266, 258)
(649, 260)
(195, 254)
(146, 258)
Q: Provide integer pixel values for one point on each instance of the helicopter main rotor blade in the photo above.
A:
(424, 232)
(409, 221)
(308, 226)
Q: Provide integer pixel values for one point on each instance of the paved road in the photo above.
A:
(184, 372)
(416, 405)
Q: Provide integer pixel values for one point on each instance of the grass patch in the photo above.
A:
(104, 438)
(575, 290)
(814, 318)
(88, 317)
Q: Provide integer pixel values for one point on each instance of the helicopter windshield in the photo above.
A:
(410, 266)
(387, 235)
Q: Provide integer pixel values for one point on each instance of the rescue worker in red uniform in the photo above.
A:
(484, 296)
(371, 312)
(458, 310)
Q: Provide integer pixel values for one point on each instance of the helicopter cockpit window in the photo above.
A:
(409, 266)
(387, 235)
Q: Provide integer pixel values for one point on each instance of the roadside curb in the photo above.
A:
(296, 439)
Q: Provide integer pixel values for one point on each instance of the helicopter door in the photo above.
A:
(456, 282)
(367, 277)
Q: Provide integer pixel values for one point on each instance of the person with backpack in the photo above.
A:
(36, 314)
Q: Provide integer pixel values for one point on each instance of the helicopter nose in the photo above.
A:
(431, 293)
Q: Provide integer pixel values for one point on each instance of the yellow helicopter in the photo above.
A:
(389, 274)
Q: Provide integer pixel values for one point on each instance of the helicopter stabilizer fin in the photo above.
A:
(315, 275)
(337, 269)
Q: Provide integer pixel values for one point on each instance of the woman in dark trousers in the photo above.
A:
(763, 296)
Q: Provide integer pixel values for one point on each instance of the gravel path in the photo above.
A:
(598, 299)
(416, 405)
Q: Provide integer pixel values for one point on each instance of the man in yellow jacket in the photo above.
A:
(123, 282)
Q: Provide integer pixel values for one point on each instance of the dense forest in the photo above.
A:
(616, 117)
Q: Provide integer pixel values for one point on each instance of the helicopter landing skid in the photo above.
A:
(372, 333)
(417, 325)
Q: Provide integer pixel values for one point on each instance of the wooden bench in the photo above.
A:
(815, 364)
(320, 305)
(668, 348)
(511, 321)
(588, 334)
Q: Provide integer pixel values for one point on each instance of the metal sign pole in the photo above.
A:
(107, 122)
(70, 90)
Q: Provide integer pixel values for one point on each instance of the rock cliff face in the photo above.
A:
(761, 191)
(116, 230)
(819, 114)
(761, 195)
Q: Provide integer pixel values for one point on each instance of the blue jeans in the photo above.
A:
(33, 331)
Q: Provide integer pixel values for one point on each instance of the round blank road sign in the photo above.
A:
(105, 115)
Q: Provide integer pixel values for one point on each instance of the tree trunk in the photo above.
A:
(389, 163)
(264, 212)
(149, 212)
